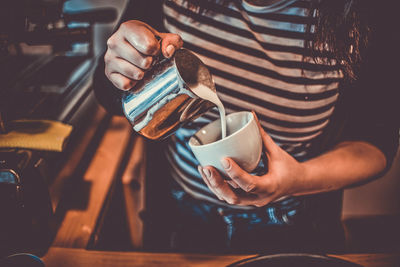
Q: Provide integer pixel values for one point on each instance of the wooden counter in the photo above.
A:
(85, 200)
(66, 257)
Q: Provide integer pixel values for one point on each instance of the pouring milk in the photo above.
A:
(207, 93)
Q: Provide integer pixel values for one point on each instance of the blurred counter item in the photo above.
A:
(46, 66)
(36, 134)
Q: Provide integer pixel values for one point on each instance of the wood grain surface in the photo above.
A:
(88, 198)
(63, 257)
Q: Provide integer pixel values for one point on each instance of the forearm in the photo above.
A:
(347, 164)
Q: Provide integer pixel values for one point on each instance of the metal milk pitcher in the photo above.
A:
(163, 100)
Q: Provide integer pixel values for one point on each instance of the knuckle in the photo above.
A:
(124, 25)
(150, 46)
(178, 39)
(111, 43)
(139, 75)
(116, 82)
(127, 71)
(146, 63)
(133, 73)
(126, 85)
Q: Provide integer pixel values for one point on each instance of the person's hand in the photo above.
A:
(284, 178)
(131, 50)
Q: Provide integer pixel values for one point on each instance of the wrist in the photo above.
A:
(303, 180)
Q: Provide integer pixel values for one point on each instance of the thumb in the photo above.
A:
(170, 43)
(243, 179)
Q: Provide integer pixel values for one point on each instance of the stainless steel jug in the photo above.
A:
(163, 100)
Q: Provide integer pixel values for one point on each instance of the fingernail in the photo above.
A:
(225, 163)
(170, 50)
(207, 172)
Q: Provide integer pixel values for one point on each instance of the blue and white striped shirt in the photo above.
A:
(258, 61)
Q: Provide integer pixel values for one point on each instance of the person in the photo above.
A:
(318, 75)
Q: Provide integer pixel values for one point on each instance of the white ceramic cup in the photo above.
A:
(243, 143)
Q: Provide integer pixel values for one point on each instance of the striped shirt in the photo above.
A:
(257, 58)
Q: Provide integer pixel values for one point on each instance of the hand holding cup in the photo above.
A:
(285, 177)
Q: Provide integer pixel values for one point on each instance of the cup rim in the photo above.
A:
(227, 137)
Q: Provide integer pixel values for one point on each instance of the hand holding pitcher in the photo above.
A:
(131, 50)
(157, 76)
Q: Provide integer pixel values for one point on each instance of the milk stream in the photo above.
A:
(207, 93)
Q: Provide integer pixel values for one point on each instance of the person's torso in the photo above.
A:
(257, 58)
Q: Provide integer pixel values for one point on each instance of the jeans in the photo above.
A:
(279, 227)
(175, 221)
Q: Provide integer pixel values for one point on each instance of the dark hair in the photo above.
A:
(340, 28)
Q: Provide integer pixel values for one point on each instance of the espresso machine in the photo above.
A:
(43, 51)
(46, 64)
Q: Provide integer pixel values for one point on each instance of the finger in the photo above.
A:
(200, 169)
(243, 200)
(120, 81)
(125, 68)
(170, 43)
(246, 181)
(269, 144)
(204, 173)
(141, 36)
(233, 184)
(127, 52)
(220, 186)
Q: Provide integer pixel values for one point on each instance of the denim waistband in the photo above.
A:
(283, 212)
